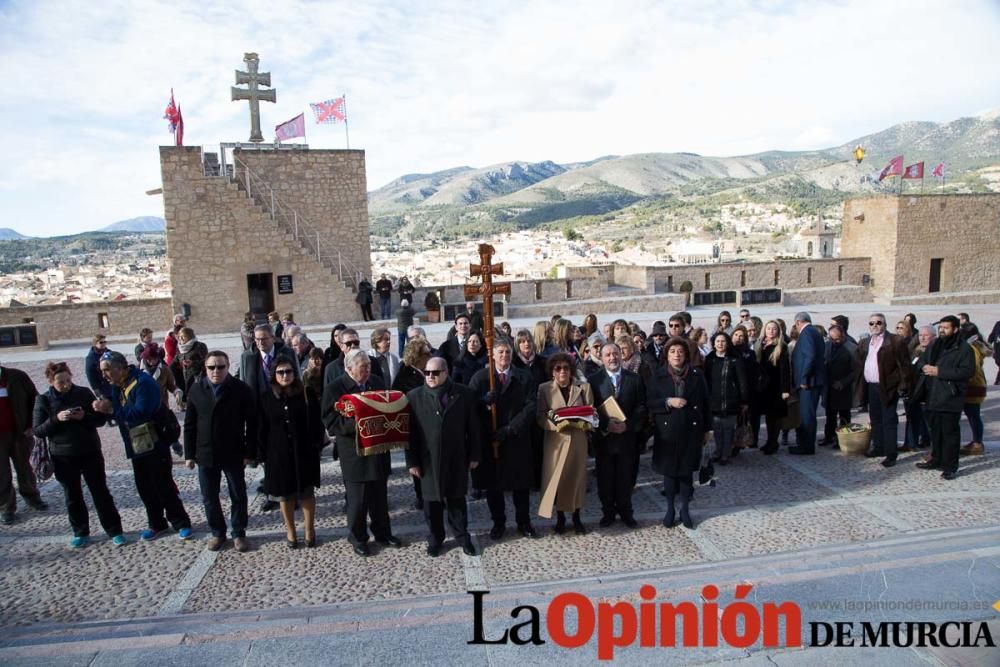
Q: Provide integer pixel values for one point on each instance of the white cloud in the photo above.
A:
(437, 85)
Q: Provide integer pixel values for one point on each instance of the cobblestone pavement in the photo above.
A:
(760, 507)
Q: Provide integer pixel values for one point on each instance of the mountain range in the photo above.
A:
(518, 195)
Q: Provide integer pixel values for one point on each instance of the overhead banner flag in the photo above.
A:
(894, 168)
(914, 171)
(290, 129)
(173, 115)
(331, 111)
(938, 171)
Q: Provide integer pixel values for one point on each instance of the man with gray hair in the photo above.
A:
(809, 374)
(302, 346)
(887, 374)
(365, 477)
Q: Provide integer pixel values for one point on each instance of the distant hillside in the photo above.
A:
(519, 195)
(146, 223)
(38, 254)
(8, 234)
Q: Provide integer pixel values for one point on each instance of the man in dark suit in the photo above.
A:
(220, 433)
(453, 348)
(615, 441)
(511, 467)
(349, 340)
(887, 374)
(445, 443)
(809, 374)
(656, 347)
(365, 477)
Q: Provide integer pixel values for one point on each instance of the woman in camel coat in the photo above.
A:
(564, 459)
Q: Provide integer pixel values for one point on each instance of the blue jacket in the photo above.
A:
(138, 407)
(808, 359)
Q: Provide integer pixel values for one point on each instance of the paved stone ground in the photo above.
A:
(798, 528)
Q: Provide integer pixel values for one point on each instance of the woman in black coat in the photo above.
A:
(842, 371)
(410, 376)
(65, 415)
(678, 404)
(529, 357)
(290, 436)
(743, 349)
(472, 360)
(775, 382)
(729, 394)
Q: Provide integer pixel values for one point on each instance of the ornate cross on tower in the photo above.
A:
(253, 79)
(486, 270)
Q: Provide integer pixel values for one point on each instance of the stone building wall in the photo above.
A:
(326, 187)
(80, 321)
(216, 236)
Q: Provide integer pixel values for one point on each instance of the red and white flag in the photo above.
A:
(894, 168)
(330, 111)
(290, 129)
(938, 171)
(173, 115)
(914, 171)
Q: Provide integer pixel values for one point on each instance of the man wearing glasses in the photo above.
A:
(349, 341)
(92, 366)
(220, 432)
(445, 444)
(884, 357)
(744, 316)
(653, 354)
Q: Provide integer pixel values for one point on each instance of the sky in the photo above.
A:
(434, 85)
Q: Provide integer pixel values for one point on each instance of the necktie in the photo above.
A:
(444, 400)
(267, 364)
(614, 381)
(503, 378)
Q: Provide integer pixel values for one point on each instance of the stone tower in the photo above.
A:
(279, 229)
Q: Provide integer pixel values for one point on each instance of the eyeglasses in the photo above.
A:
(216, 367)
(352, 343)
(280, 371)
(744, 316)
(560, 369)
(434, 374)
(675, 325)
(262, 340)
(876, 323)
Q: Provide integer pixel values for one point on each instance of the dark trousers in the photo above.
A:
(385, 305)
(805, 434)
(210, 480)
(367, 500)
(495, 501)
(916, 433)
(458, 519)
(973, 412)
(885, 422)
(154, 480)
(615, 473)
(401, 335)
(681, 488)
(754, 422)
(417, 490)
(834, 420)
(16, 449)
(366, 312)
(946, 435)
(90, 467)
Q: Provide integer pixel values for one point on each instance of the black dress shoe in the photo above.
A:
(7, 519)
(767, 449)
(606, 520)
(669, 520)
(292, 544)
(560, 526)
(362, 550)
(949, 475)
(801, 451)
(433, 550)
(391, 541)
(889, 461)
(468, 548)
(269, 506)
(929, 464)
(527, 530)
(311, 542)
(874, 453)
(630, 522)
(579, 527)
(497, 531)
(686, 520)
(39, 504)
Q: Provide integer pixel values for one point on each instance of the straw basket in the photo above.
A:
(854, 438)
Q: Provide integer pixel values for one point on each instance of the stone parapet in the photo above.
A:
(80, 321)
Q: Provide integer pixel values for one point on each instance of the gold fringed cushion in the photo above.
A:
(383, 420)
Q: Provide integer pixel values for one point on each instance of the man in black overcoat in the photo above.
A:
(365, 477)
(616, 443)
(515, 396)
(445, 443)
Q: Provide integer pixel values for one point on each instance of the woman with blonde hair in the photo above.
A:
(563, 338)
(540, 334)
(775, 381)
(589, 325)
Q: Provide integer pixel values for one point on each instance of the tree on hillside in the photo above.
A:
(571, 234)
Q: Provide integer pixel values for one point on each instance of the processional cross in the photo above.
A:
(486, 270)
(253, 79)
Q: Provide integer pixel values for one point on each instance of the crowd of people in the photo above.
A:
(696, 396)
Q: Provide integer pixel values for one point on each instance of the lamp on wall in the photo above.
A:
(860, 217)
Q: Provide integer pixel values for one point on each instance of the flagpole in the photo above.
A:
(347, 134)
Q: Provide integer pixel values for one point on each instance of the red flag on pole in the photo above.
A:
(330, 111)
(295, 127)
(914, 171)
(938, 171)
(894, 168)
(176, 121)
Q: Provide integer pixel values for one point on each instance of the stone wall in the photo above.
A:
(80, 321)
(216, 236)
(577, 310)
(824, 295)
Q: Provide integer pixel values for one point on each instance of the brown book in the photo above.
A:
(610, 409)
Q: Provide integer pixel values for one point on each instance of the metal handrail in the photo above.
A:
(261, 192)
